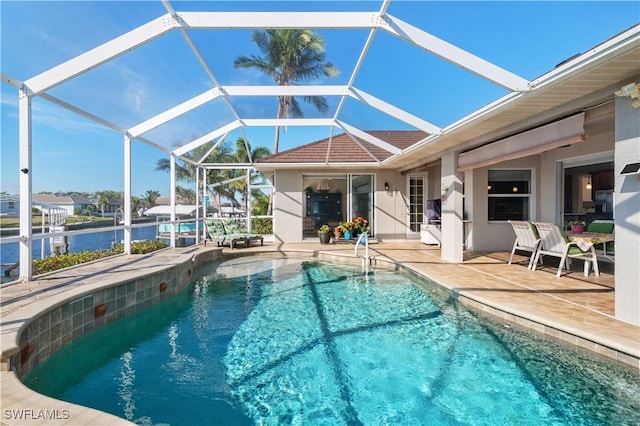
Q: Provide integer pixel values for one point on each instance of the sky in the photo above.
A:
(71, 153)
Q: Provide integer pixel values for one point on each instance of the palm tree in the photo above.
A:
(290, 56)
(104, 198)
(151, 196)
(187, 195)
(136, 202)
(241, 156)
(186, 171)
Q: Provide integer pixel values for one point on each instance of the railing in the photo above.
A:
(363, 239)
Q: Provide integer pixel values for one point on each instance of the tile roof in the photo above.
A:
(61, 199)
(343, 149)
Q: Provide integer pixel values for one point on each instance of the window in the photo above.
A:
(416, 202)
(12, 205)
(509, 193)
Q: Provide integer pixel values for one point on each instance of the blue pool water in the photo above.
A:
(283, 342)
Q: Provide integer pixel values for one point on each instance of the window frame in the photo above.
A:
(528, 195)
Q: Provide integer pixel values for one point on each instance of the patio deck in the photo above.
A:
(574, 308)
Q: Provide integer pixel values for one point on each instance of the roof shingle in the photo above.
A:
(343, 149)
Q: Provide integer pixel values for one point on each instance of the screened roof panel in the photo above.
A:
(364, 117)
(220, 48)
(62, 30)
(266, 107)
(413, 80)
(192, 125)
(139, 84)
(395, 75)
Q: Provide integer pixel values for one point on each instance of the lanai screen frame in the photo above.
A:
(39, 85)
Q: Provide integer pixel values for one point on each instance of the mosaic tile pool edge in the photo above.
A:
(65, 322)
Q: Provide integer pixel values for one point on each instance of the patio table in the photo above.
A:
(587, 239)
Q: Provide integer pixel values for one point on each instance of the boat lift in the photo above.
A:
(57, 220)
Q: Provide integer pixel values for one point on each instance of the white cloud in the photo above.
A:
(61, 119)
(50, 115)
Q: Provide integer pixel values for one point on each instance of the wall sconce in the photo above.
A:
(631, 169)
(386, 186)
(489, 187)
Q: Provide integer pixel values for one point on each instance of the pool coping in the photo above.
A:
(17, 397)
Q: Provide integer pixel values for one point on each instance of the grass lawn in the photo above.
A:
(14, 221)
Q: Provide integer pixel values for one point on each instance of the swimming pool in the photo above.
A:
(289, 342)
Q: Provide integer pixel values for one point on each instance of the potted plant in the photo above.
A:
(337, 232)
(361, 225)
(347, 229)
(324, 235)
(577, 226)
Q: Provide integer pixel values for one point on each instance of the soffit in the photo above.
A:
(564, 98)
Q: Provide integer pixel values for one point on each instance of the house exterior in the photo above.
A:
(525, 157)
(70, 203)
(9, 205)
(551, 149)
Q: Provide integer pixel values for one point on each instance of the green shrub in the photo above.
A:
(262, 225)
(141, 247)
(53, 263)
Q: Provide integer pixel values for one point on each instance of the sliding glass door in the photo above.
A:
(361, 187)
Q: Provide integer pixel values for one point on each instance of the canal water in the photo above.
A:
(10, 252)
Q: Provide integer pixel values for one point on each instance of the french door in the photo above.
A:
(416, 214)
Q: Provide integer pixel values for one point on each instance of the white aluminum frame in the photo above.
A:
(41, 84)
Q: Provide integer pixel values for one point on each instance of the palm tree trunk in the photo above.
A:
(276, 140)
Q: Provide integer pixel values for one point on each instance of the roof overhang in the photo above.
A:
(584, 82)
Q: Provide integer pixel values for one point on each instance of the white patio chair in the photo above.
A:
(526, 240)
(555, 243)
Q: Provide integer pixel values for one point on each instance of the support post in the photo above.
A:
(198, 201)
(248, 198)
(127, 194)
(626, 215)
(25, 172)
(205, 194)
(172, 182)
(452, 215)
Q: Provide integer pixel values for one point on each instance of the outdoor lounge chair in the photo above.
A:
(554, 242)
(227, 232)
(604, 250)
(527, 239)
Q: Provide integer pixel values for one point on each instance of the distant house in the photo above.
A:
(70, 203)
(9, 205)
(166, 201)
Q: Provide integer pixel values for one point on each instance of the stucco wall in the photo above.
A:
(600, 140)
(627, 213)
(546, 186)
(390, 207)
(287, 211)
(490, 236)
